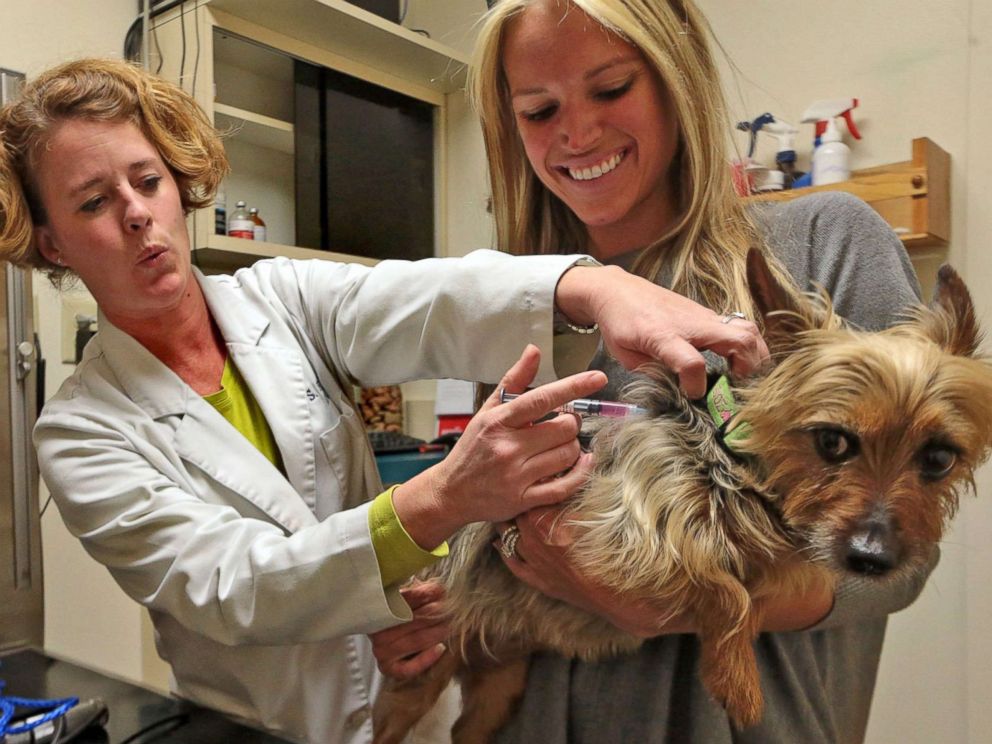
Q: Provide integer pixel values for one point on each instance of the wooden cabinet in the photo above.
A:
(236, 58)
(913, 196)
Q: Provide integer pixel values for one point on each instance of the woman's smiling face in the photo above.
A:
(597, 126)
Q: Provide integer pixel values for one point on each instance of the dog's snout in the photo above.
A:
(873, 549)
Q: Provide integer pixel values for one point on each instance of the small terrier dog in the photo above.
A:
(848, 455)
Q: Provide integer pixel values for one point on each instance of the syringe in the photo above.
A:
(588, 406)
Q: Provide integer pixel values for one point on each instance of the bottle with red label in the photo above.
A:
(259, 223)
(240, 224)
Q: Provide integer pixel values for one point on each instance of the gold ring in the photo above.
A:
(508, 541)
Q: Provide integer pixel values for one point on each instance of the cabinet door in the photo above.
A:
(364, 166)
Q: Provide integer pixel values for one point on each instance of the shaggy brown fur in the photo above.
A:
(858, 445)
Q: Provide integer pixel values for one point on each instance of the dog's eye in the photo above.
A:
(835, 445)
(937, 460)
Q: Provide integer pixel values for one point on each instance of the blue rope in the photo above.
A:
(9, 704)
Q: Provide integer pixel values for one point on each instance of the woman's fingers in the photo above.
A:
(505, 450)
(678, 355)
(410, 666)
(518, 377)
(406, 650)
(411, 637)
(545, 436)
(554, 490)
(552, 462)
(739, 341)
(419, 593)
(642, 322)
(544, 520)
(408, 638)
(535, 404)
(404, 639)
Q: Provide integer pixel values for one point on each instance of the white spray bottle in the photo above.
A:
(831, 158)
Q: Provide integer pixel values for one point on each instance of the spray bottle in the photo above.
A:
(785, 157)
(831, 158)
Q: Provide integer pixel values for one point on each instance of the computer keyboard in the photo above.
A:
(384, 442)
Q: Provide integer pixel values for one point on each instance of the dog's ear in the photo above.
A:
(951, 321)
(783, 316)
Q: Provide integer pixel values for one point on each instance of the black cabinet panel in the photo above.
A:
(388, 9)
(364, 167)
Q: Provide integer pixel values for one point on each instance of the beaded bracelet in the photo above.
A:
(561, 320)
(562, 324)
(581, 329)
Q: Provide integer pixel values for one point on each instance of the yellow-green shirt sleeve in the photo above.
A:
(398, 555)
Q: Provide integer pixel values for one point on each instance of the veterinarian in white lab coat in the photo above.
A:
(207, 449)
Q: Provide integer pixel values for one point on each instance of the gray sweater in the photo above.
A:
(817, 683)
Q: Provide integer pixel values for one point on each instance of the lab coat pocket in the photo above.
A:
(347, 461)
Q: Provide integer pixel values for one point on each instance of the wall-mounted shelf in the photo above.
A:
(913, 196)
(255, 129)
(223, 254)
(358, 35)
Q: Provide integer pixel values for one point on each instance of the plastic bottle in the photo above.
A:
(831, 160)
(259, 229)
(769, 180)
(241, 225)
(785, 157)
(220, 213)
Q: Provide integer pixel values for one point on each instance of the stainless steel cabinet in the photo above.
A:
(21, 595)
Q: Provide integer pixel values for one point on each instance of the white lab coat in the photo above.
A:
(262, 589)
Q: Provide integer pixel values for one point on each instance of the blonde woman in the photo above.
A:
(207, 450)
(605, 131)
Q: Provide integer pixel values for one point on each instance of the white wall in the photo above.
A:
(450, 22)
(87, 618)
(920, 69)
(974, 532)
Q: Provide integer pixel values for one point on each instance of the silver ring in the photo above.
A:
(508, 542)
(733, 316)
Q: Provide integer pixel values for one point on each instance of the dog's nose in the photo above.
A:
(872, 549)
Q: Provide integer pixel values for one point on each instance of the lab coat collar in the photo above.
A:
(275, 374)
(155, 388)
(160, 392)
(150, 383)
(236, 327)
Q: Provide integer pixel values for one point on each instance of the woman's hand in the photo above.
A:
(507, 461)
(541, 560)
(642, 322)
(406, 650)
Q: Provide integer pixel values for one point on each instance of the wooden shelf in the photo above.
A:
(223, 254)
(358, 35)
(914, 196)
(255, 129)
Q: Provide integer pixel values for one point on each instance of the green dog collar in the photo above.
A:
(723, 408)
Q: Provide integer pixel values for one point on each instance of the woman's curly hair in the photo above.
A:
(98, 90)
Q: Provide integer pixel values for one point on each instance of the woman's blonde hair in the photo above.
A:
(707, 246)
(98, 90)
